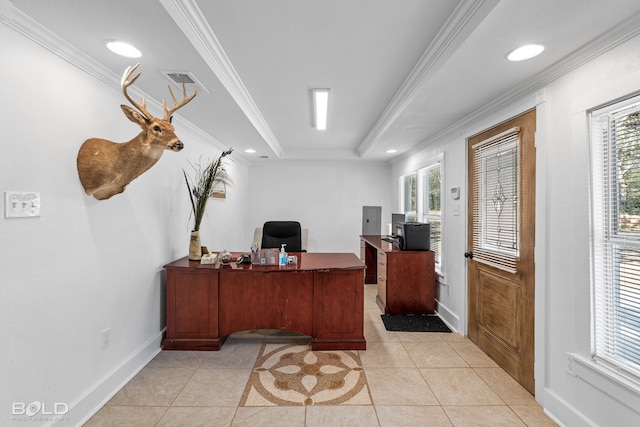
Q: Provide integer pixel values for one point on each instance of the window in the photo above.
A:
(410, 188)
(430, 195)
(615, 277)
(496, 201)
(422, 201)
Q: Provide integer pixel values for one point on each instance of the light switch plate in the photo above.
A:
(20, 204)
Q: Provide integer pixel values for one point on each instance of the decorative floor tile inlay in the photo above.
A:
(292, 375)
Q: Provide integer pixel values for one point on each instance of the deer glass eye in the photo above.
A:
(156, 128)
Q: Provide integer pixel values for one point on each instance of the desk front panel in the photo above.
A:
(265, 300)
(323, 296)
(339, 310)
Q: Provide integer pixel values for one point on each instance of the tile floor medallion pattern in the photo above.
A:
(294, 375)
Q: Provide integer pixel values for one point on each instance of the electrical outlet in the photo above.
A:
(106, 338)
(19, 204)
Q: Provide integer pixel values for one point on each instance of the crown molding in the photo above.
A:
(607, 41)
(188, 16)
(34, 31)
(462, 22)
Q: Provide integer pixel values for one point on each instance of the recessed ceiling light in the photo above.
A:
(250, 150)
(392, 150)
(527, 51)
(123, 49)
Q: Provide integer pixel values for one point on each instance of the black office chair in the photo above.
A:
(275, 233)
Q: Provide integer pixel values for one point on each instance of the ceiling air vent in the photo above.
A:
(177, 78)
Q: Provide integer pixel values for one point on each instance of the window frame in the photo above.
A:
(423, 211)
(607, 239)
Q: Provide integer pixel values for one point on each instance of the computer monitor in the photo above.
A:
(396, 219)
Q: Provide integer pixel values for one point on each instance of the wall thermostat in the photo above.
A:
(455, 193)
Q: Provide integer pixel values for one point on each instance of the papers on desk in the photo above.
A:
(209, 258)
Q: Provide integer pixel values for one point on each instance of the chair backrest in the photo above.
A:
(275, 233)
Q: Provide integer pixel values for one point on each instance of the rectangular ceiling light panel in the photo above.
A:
(321, 106)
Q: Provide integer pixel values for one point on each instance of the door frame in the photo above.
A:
(538, 101)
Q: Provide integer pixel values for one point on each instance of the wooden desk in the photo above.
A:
(406, 279)
(322, 296)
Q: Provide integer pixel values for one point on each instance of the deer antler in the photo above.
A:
(185, 100)
(125, 83)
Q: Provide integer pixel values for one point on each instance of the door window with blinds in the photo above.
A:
(496, 201)
(615, 276)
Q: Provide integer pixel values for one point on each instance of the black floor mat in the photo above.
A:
(414, 323)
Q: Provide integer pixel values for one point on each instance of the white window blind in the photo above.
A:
(410, 190)
(615, 143)
(422, 202)
(496, 200)
(430, 205)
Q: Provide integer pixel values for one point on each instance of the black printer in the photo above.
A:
(413, 236)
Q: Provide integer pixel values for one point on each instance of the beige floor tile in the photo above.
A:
(399, 386)
(177, 359)
(252, 334)
(134, 416)
(372, 314)
(234, 353)
(506, 387)
(214, 387)
(197, 416)
(153, 387)
(459, 386)
(409, 416)
(454, 336)
(375, 332)
(435, 354)
(482, 416)
(343, 416)
(281, 416)
(472, 354)
(410, 337)
(409, 375)
(385, 355)
(533, 416)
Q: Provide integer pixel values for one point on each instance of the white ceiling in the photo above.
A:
(401, 72)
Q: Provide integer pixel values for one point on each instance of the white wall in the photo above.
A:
(450, 293)
(325, 197)
(583, 393)
(572, 389)
(86, 265)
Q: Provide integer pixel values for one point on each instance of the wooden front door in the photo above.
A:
(500, 263)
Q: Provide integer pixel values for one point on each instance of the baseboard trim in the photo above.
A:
(90, 402)
(558, 409)
(448, 317)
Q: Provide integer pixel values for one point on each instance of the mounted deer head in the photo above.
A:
(105, 167)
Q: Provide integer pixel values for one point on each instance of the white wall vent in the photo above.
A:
(176, 78)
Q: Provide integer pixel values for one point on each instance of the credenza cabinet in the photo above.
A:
(405, 279)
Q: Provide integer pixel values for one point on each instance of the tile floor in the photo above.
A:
(415, 379)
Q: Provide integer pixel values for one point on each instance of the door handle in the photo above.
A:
(468, 255)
